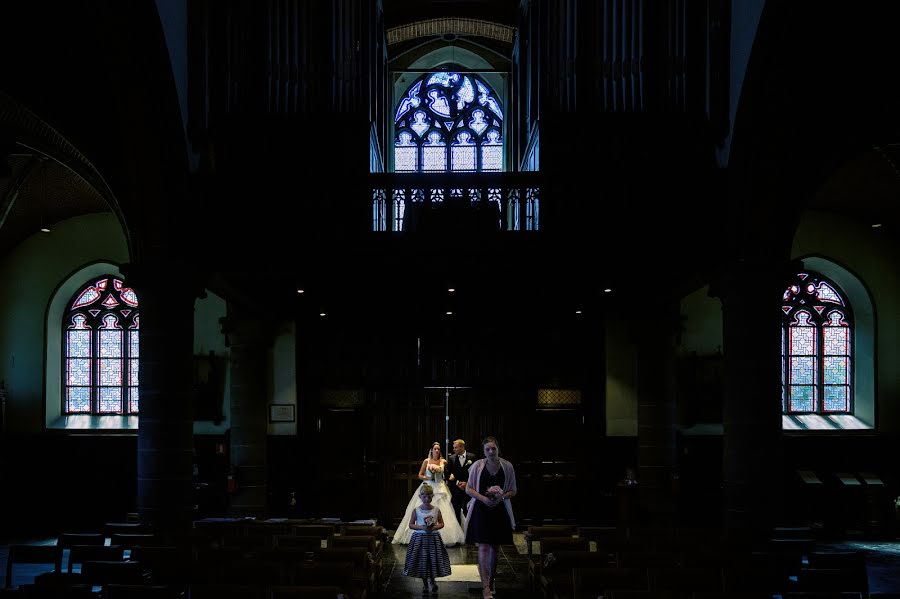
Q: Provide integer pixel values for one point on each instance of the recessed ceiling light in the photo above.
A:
(449, 313)
(607, 290)
(451, 289)
(876, 225)
(321, 314)
(577, 311)
(300, 291)
(45, 230)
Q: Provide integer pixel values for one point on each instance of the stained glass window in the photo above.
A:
(448, 121)
(816, 356)
(100, 338)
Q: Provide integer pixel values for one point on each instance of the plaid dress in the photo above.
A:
(426, 556)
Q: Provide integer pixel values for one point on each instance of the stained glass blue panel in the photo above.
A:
(78, 371)
(110, 371)
(110, 344)
(133, 372)
(803, 399)
(133, 399)
(405, 159)
(78, 344)
(803, 340)
(827, 294)
(803, 371)
(492, 158)
(462, 158)
(447, 102)
(434, 158)
(836, 370)
(837, 341)
(134, 345)
(110, 400)
(836, 398)
(78, 399)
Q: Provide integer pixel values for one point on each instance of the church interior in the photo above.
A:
(259, 257)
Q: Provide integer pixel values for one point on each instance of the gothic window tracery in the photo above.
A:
(816, 342)
(448, 121)
(100, 332)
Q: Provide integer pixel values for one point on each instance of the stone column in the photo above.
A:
(752, 452)
(655, 331)
(249, 342)
(165, 433)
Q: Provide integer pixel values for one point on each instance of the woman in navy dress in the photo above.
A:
(490, 521)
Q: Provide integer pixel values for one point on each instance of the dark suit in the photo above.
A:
(458, 496)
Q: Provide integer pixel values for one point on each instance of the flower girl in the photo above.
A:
(426, 557)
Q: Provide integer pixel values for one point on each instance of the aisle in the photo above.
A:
(512, 572)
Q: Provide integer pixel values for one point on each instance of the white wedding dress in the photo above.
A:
(452, 533)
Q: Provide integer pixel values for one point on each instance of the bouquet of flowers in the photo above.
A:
(495, 492)
(436, 470)
(429, 521)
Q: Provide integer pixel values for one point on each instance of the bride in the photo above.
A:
(432, 472)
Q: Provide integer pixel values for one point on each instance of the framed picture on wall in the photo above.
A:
(281, 412)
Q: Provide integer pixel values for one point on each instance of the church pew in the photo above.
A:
(32, 555)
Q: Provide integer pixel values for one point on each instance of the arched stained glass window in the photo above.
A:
(448, 121)
(816, 350)
(100, 349)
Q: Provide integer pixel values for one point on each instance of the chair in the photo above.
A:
(686, 579)
(642, 595)
(349, 530)
(32, 554)
(165, 565)
(68, 539)
(132, 591)
(791, 532)
(130, 540)
(647, 559)
(833, 579)
(755, 579)
(837, 559)
(364, 572)
(555, 577)
(101, 572)
(78, 554)
(593, 582)
(227, 591)
(339, 574)
(549, 545)
(647, 539)
(536, 533)
(111, 528)
(63, 590)
(323, 531)
(370, 544)
(254, 572)
(304, 592)
(821, 595)
(607, 538)
(308, 543)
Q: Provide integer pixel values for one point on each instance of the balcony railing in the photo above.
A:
(460, 202)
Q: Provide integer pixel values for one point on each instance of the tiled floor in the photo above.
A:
(512, 573)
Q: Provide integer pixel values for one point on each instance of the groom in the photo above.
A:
(458, 466)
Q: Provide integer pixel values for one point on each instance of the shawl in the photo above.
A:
(509, 484)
